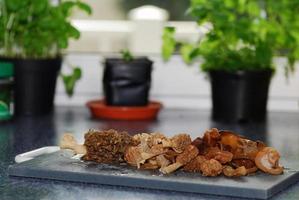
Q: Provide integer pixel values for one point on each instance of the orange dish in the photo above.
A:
(100, 110)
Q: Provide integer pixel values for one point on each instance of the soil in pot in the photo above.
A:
(240, 96)
(127, 83)
(35, 83)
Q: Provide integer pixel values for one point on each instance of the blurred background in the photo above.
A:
(137, 25)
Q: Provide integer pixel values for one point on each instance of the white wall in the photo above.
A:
(175, 84)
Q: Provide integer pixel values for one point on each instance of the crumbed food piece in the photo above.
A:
(211, 167)
(194, 165)
(106, 146)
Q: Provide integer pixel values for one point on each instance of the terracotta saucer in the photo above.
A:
(100, 110)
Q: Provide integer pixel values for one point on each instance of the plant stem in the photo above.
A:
(8, 36)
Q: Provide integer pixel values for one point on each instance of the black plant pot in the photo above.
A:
(240, 96)
(35, 83)
(127, 83)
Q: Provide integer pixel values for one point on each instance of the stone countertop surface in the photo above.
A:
(281, 130)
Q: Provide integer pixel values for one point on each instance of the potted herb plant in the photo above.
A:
(127, 80)
(32, 36)
(238, 51)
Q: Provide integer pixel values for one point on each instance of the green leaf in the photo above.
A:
(13, 5)
(127, 55)
(62, 42)
(75, 33)
(189, 53)
(169, 43)
(39, 6)
(70, 80)
(77, 73)
(66, 7)
(85, 7)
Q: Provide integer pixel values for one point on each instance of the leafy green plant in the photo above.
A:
(126, 55)
(38, 29)
(245, 34)
(70, 80)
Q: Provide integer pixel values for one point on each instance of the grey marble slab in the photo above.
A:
(61, 166)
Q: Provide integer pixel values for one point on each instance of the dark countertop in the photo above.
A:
(280, 131)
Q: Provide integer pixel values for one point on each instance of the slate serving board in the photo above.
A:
(61, 166)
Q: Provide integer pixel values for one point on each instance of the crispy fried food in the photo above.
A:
(171, 155)
(214, 153)
(150, 164)
(133, 156)
(194, 165)
(162, 161)
(248, 164)
(222, 156)
(267, 160)
(230, 139)
(182, 159)
(211, 137)
(106, 146)
(150, 145)
(178, 143)
(241, 147)
(231, 172)
(211, 167)
(199, 143)
(69, 142)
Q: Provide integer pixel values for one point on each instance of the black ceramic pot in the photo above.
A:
(127, 83)
(35, 83)
(240, 96)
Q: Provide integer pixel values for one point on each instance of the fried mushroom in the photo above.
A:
(267, 160)
(182, 159)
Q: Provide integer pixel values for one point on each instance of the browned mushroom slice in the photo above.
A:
(68, 141)
(230, 139)
(211, 137)
(231, 172)
(182, 159)
(133, 156)
(171, 155)
(178, 142)
(150, 164)
(199, 143)
(267, 160)
(240, 147)
(222, 156)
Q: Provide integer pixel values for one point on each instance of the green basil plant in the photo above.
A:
(245, 34)
(39, 29)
